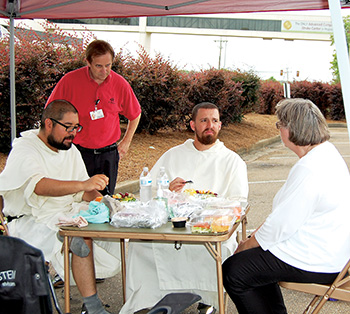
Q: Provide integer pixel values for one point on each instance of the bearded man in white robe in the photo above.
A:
(157, 269)
(44, 179)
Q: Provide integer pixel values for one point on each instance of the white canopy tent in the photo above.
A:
(56, 9)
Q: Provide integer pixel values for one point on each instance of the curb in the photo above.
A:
(132, 186)
(259, 145)
(337, 125)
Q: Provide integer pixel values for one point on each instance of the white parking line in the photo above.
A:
(290, 157)
(269, 181)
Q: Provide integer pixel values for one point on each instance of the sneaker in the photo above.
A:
(206, 309)
(84, 310)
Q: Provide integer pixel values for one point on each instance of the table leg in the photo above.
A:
(66, 275)
(244, 228)
(215, 252)
(122, 253)
(220, 281)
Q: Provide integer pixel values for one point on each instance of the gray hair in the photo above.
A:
(304, 120)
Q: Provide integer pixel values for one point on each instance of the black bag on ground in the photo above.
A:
(174, 303)
(24, 287)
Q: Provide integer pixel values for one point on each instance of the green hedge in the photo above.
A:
(40, 63)
(327, 97)
(166, 94)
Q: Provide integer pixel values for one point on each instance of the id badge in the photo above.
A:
(96, 114)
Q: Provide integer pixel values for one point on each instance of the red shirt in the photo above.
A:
(116, 97)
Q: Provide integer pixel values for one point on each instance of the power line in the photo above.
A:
(221, 41)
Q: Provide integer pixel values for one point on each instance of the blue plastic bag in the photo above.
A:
(97, 213)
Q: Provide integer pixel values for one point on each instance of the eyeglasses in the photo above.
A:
(69, 128)
(279, 125)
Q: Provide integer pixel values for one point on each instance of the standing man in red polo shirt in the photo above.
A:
(100, 95)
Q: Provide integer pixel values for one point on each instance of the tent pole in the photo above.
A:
(12, 79)
(342, 54)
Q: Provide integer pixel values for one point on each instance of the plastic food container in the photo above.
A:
(213, 221)
(235, 206)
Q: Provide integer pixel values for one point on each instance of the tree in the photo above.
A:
(41, 59)
(334, 62)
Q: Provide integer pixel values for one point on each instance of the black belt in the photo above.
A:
(97, 151)
(10, 218)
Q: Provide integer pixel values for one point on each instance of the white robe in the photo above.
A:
(29, 161)
(156, 269)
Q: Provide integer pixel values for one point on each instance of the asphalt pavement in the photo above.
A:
(268, 166)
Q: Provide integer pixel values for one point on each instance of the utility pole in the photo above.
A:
(221, 41)
(286, 73)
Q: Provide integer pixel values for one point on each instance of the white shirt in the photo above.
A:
(309, 224)
(218, 169)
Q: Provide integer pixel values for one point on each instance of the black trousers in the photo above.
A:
(103, 163)
(251, 279)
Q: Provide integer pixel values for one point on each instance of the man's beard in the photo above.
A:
(60, 145)
(207, 139)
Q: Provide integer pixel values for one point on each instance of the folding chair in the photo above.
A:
(174, 303)
(244, 222)
(339, 289)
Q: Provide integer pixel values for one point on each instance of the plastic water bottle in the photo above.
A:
(163, 185)
(162, 179)
(145, 185)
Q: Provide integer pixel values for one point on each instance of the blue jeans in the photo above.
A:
(251, 279)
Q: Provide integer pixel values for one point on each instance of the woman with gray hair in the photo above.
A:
(306, 237)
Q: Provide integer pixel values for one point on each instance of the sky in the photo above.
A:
(265, 57)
